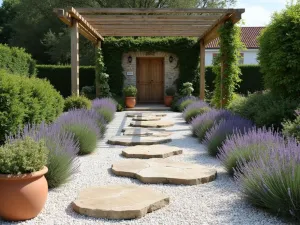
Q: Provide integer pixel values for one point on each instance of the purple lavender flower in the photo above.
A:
(194, 109)
(278, 171)
(202, 123)
(241, 148)
(85, 127)
(215, 137)
(63, 149)
(106, 107)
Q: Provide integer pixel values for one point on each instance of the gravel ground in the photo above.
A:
(217, 202)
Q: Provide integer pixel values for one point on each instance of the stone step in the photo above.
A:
(146, 114)
(145, 132)
(155, 171)
(119, 201)
(137, 140)
(152, 124)
(153, 151)
(146, 118)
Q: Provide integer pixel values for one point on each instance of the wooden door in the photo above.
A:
(150, 80)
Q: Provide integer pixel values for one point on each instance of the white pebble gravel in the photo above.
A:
(217, 202)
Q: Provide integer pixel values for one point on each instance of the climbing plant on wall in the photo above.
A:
(101, 77)
(186, 49)
(226, 64)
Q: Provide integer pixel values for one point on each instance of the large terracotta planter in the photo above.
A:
(168, 100)
(22, 197)
(130, 102)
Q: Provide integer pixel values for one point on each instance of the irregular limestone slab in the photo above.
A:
(145, 132)
(155, 171)
(146, 114)
(152, 124)
(146, 118)
(119, 202)
(137, 140)
(153, 151)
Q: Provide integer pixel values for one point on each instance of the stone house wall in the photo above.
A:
(171, 69)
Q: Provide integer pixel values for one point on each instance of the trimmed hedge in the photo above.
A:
(26, 100)
(252, 80)
(16, 61)
(60, 77)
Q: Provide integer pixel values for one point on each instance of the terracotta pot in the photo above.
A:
(168, 100)
(130, 102)
(23, 196)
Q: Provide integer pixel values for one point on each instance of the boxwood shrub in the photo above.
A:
(16, 61)
(26, 100)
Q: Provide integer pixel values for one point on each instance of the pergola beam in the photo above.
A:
(73, 13)
(151, 17)
(64, 16)
(212, 33)
(87, 11)
(150, 22)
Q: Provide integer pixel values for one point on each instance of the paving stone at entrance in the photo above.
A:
(153, 151)
(146, 132)
(152, 124)
(163, 171)
(146, 114)
(119, 201)
(146, 118)
(137, 140)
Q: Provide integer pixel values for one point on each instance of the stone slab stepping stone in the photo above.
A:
(153, 151)
(119, 201)
(145, 114)
(145, 132)
(156, 171)
(137, 140)
(152, 124)
(146, 118)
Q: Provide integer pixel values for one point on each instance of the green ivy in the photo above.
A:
(101, 77)
(230, 48)
(186, 49)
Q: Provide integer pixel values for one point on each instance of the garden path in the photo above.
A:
(217, 202)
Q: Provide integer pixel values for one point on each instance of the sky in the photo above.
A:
(258, 12)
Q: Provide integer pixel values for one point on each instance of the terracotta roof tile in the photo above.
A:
(249, 37)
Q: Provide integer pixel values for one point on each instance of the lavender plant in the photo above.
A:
(62, 162)
(84, 127)
(272, 180)
(106, 107)
(194, 109)
(241, 148)
(216, 136)
(202, 123)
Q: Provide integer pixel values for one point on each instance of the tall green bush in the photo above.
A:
(16, 60)
(264, 109)
(279, 53)
(26, 100)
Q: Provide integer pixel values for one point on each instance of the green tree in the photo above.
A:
(36, 28)
(279, 54)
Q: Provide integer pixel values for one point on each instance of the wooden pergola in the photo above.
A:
(96, 23)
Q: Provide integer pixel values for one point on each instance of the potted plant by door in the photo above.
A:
(170, 92)
(130, 96)
(23, 187)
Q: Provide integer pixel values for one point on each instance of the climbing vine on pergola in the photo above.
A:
(96, 23)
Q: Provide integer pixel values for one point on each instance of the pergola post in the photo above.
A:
(98, 45)
(75, 57)
(202, 69)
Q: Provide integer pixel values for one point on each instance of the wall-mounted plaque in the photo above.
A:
(129, 73)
